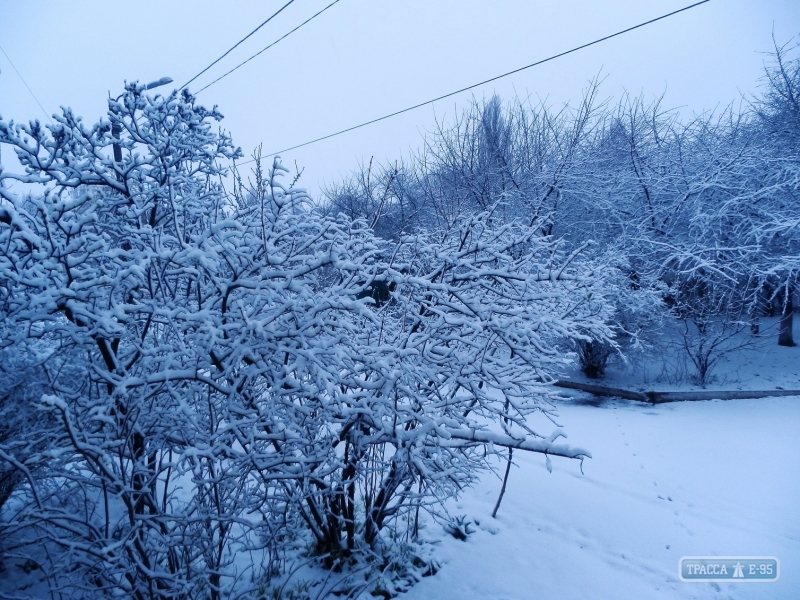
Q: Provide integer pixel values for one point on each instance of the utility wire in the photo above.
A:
(311, 18)
(470, 87)
(275, 14)
(26, 84)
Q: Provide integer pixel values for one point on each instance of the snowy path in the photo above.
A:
(690, 478)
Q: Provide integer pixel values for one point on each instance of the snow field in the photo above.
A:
(665, 481)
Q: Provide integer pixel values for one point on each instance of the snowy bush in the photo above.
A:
(22, 383)
(223, 383)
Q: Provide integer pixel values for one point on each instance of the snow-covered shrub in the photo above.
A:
(636, 312)
(21, 386)
(222, 385)
(711, 314)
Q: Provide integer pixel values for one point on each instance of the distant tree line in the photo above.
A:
(698, 219)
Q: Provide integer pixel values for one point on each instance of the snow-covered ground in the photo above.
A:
(670, 480)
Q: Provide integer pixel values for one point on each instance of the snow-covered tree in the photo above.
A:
(771, 211)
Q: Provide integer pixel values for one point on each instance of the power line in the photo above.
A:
(275, 14)
(311, 18)
(473, 86)
(26, 84)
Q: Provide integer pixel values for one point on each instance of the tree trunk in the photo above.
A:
(785, 337)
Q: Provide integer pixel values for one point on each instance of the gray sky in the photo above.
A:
(365, 58)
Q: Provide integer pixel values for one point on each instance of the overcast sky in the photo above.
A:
(365, 58)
